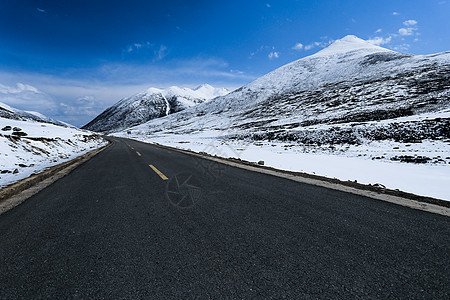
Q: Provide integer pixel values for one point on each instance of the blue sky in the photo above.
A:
(72, 59)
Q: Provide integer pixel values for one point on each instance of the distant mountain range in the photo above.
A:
(150, 104)
(349, 82)
(9, 112)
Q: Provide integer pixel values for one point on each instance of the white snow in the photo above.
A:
(33, 114)
(7, 107)
(205, 92)
(350, 111)
(348, 44)
(150, 104)
(44, 146)
(354, 163)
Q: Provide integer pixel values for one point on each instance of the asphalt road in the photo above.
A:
(115, 228)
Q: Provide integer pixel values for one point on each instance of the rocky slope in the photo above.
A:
(31, 142)
(150, 104)
(9, 112)
(352, 111)
(337, 95)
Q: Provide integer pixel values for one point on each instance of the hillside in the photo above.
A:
(350, 100)
(150, 104)
(31, 142)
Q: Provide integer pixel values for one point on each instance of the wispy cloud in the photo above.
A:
(321, 44)
(40, 10)
(395, 13)
(410, 23)
(18, 88)
(180, 29)
(380, 40)
(26, 97)
(411, 29)
(273, 55)
(83, 93)
(298, 46)
(137, 46)
(406, 31)
(159, 51)
(312, 45)
(402, 47)
(268, 5)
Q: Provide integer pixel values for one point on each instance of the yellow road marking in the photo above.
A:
(138, 153)
(163, 177)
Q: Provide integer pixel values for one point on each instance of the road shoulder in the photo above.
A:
(16, 193)
(423, 203)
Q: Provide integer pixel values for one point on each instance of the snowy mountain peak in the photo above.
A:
(350, 43)
(351, 39)
(204, 91)
(153, 90)
(9, 112)
(203, 86)
(150, 104)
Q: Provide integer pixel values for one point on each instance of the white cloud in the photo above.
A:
(135, 47)
(26, 97)
(395, 13)
(410, 23)
(400, 40)
(380, 41)
(273, 54)
(268, 5)
(402, 47)
(406, 31)
(161, 53)
(298, 46)
(81, 107)
(19, 88)
(321, 44)
(80, 94)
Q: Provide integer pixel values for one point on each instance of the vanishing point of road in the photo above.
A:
(142, 222)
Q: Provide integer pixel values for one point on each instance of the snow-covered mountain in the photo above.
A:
(352, 99)
(28, 146)
(9, 112)
(349, 81)
(150, 104)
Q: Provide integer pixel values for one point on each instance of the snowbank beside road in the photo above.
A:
(29, 147)
(355, 163)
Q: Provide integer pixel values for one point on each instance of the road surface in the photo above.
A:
(142, 222)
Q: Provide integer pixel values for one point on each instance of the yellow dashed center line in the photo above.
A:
(163, 177)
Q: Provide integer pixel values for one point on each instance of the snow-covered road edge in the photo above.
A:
(423, 180)
(40, 166)
(17, 192)
(29, 147)
(410, 200)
